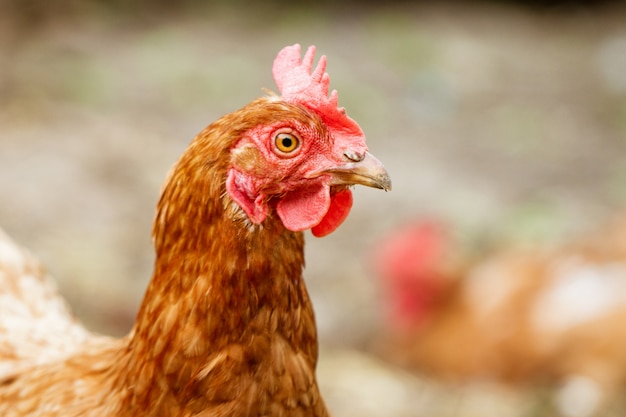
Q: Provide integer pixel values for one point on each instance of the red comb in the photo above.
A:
(299, 83)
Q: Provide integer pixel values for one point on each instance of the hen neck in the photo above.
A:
(218, 283)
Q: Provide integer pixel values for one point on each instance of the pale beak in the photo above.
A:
(363, 169)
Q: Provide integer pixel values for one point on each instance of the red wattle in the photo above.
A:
(304, 208)
(340, 205)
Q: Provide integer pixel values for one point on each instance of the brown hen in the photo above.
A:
(524, 316)
(226, 327)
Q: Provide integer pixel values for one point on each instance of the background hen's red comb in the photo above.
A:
(299, 83)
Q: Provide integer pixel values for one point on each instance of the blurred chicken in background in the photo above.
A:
(522, 316)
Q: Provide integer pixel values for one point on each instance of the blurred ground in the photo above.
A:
(503, 120)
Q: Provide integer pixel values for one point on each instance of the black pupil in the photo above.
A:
(287, 142)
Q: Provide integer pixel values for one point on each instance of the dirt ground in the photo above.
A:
(503, 121)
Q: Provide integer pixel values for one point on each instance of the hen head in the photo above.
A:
(302, 153)
(410, 263)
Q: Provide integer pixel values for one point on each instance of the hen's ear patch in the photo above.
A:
(240, 188)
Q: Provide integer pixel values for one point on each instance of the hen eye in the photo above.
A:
(286, 143)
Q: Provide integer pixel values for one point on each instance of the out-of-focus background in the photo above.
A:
(505, 119)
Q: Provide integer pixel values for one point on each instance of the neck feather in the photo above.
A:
(218, 282)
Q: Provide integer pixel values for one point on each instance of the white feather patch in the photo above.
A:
(580, 292)
(35, 323)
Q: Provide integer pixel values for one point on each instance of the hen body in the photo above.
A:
(515, 315)
(226, 327)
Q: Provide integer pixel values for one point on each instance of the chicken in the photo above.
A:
(226, 327)
(515, 315)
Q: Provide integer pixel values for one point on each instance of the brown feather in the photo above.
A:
(226, 327)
